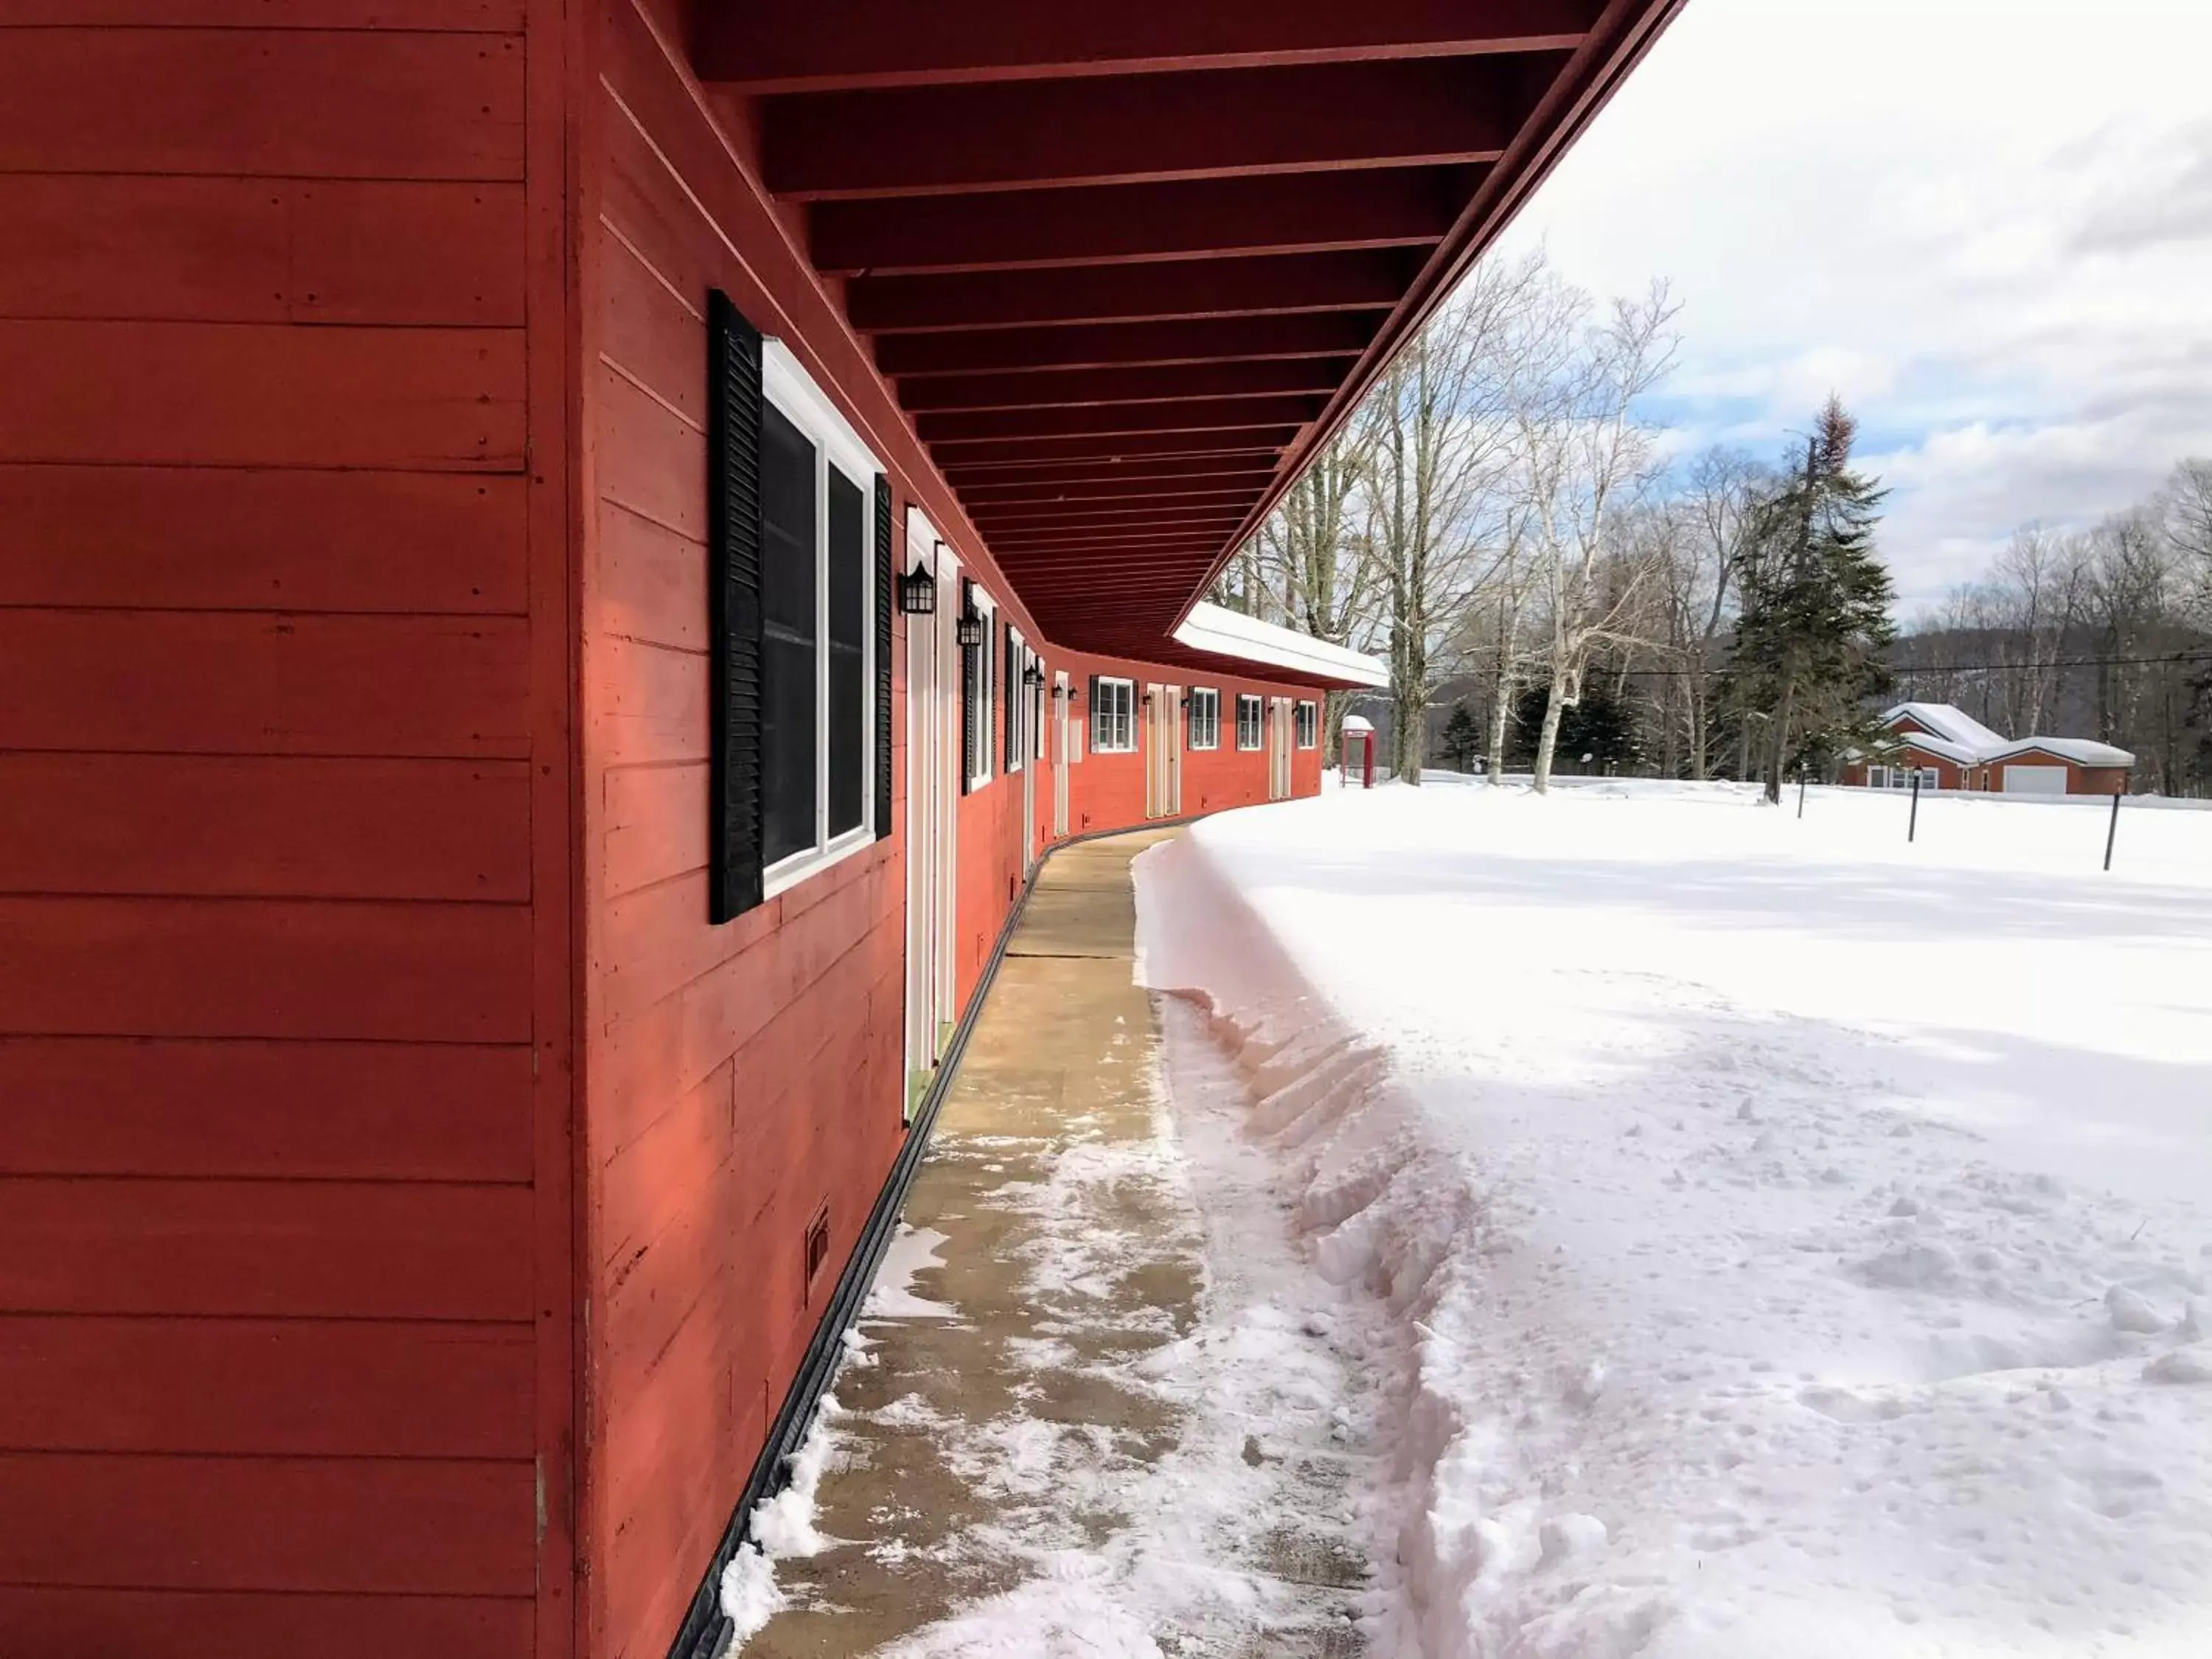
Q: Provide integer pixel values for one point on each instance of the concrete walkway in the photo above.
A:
(1003, 1426)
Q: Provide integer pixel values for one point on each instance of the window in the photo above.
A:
(1113, 716)
(1034, 702)
(1308, 726)
(798, 527)
(1017, 701)
(1248, 722)
(975, 677)
(1205, 711)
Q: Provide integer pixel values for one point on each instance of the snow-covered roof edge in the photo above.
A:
(2086, 751)
(1946, 720)
(1232, 634)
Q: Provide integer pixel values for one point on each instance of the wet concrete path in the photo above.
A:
(1022, 1442)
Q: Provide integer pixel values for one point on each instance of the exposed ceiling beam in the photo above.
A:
(1364, 281)
(1141, 128)
(1207, 218)
(990, 515)
(1318, 334)
(1208, 535)
(862, 43)
(1111, 492)
(1243, 441)
(1189, 415)
(1073, 387)
(1097, 476)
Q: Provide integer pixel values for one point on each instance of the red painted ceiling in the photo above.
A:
(1126, 265)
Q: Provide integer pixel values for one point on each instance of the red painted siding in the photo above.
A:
(284, 1208)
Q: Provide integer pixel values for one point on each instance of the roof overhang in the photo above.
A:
(1235, 636)
(1126, 269)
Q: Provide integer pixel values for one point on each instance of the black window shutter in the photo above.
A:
(733, 605)
(884, 583)
(967, 693)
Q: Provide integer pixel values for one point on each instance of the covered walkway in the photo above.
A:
(1039, 1429)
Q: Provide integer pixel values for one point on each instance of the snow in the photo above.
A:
(1765, 1236)
(1228, 633)
(2085, 751)
(782, 1527)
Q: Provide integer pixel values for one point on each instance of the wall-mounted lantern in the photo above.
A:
(1033, 676)
(968, 631)
(917, 591)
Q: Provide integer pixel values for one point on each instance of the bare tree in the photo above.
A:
(1700, 578)
(1433, 500)
(1584, 453)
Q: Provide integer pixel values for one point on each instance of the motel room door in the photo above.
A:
(1031, 749)
(932, 706)
(1279, 749)
(1163, 751)
(1061, 757)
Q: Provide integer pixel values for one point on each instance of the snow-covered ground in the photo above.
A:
(1765, 1237)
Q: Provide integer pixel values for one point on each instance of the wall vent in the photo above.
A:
(816, 1248)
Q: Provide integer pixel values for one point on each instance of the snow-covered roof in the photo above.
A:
(2083, 751)
(1943, 720)
(1357, 723)
(1928, 745)
(1232, 634)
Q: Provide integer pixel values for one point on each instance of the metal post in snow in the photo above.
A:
(1801, 791)
(1912, 823)
(2112, 830)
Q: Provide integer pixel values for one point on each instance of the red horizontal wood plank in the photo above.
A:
(260, 1109)
(651, 583)
(1196, 340)
(262, 102)
(1075, 387)
(1122, 223)
(651, 459)
(244, 682)
(244, 538)
(234, 1387)
(400, 253)
(655, 825)
(252, 249)
(1012, 456)
(245, 967)
(888, 43)
(466, 15)
(259, 828)
(238, 1524)
(1139, 129)
(647, 704)
(265, 1248)
(143, 1624)
(1367, 280)
(653, 336)
(231, 394)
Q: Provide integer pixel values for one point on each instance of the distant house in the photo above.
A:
(1948, 749)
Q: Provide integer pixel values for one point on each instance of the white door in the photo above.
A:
(1172, 742)
(1279, 749)
(1028, 725)
(2035, 781)
(932, 704)
(1059, 754)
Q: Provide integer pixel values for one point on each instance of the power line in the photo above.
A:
(1722, 671)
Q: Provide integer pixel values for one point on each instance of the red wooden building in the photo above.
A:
(489, 868)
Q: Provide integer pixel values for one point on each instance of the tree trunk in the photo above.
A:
(1700, 767)
(1779, 737)
(1554, 705)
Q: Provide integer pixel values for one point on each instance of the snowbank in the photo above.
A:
(1775, 1238)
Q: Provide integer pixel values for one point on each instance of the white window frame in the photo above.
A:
(987, 655)
(1305, 725)
(1125, 718)
(1017, 745)
(1209, 698)
(788, 386)
(1258, 707)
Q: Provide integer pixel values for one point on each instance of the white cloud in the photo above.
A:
(1987, 226)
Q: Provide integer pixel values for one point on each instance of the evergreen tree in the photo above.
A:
(1808, 652)
(1462, 739)
(1597, 725)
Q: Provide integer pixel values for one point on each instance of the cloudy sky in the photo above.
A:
(1986, 224)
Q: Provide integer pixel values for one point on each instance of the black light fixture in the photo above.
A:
(1033, 676)
(917, 591)
(969, 631)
